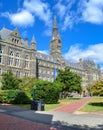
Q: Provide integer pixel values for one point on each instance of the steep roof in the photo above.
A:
(5, 33)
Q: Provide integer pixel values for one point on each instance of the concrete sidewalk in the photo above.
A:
(13, 118)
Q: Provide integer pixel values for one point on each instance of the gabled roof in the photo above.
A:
(5, 33)
(48, 58)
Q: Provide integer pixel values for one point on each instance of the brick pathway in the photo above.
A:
(8, 122)
(73, 106)
(12, 123)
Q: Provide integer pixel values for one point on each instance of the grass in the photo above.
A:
(69, 99)
(95, 105)
(49, 107)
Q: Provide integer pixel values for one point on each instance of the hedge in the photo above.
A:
(14, 97)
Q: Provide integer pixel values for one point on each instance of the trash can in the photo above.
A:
(37, 105)
(34, 105)
(40, 106)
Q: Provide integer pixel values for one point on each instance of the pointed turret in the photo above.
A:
(16, 33)
(33, 40)
(33, 43)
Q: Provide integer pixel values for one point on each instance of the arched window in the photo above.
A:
(1, 54)
(12, 39)
(0, 71)
(11, 58)
(26, 61)
(17, 60)
(17, 73)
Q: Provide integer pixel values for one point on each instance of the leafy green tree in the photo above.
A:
(96, 89)
(70, 81)
(47, 91)
(9, 81)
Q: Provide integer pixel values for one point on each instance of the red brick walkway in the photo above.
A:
(73, 106)
(8, 122)
(12, 123)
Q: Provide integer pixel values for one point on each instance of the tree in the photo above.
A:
(96, 89)
(9, 81)
(47, 91)
(70, 81)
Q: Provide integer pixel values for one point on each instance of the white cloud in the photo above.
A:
(40, 9)
(93, 11)
(24, 34)
(92, 52)
(25, 16)
(44, 52)
(66, 13)
(61, 9)
(72, 12)
(68, 22)
(21, 18)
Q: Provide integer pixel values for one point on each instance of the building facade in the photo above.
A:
(27, 61)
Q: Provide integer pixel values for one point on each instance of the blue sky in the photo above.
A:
(80, 24)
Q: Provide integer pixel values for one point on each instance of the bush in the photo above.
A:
(9, 81)
(14, 97)
(3, 96)
(46, 92)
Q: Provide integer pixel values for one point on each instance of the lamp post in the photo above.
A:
(33, 94)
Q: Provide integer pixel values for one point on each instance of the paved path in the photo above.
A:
(13, 118)
(73, 106)
(13, 123)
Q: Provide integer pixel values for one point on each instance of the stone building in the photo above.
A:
(27, 61)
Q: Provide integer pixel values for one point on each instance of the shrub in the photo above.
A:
(3, 96)
(47, 92)
(9, 81)
(14, 97)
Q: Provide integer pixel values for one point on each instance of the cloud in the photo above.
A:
(23, 18)
(93, 52)
(93, 11)
(44, 52)
(40, 9)
(61, 9)
(72, 12)
(24, 34)
(66, 13)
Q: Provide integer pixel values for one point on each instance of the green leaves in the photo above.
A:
(9, 81)
(96, 88)
(70, 81)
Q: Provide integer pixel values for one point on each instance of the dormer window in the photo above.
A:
(12, 39)
(16, 34)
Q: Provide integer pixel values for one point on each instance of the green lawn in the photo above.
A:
(95, 105)
(50, 106)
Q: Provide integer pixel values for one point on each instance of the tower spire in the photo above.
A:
(55, 23)
(55, 29)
